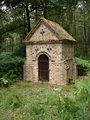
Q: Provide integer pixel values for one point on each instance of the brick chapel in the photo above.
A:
(49, 54)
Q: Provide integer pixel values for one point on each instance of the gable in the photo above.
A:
(43, 33)
(46, 30)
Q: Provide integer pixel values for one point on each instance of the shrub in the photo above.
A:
(11, 66)
(83, 66)
(5, 81)
(20, 51)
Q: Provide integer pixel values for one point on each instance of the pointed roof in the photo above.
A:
(55, 27)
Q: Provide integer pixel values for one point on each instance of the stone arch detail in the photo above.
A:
(43, 53)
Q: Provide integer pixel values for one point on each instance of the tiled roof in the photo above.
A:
(58, 30)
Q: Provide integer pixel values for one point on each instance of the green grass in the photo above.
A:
(34, 101)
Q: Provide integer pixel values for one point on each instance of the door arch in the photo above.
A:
(43, 68)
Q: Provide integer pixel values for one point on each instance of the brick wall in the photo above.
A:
(60, 56)
(69, 61)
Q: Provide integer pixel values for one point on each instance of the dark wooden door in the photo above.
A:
(43, 68)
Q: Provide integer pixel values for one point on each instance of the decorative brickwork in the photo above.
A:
(42, 40)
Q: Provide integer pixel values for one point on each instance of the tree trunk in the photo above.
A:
(45, 12)
(84, 31)
(7, 45)
(36, 15)
(87, 26)
(24, 27)
(0, 46)
(11, 45)
(74, 20)
(69, 17)
(28, 17)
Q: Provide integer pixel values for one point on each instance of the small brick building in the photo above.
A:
(49, 54)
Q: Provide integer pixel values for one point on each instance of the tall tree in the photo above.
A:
(84, 29)
(87, 24)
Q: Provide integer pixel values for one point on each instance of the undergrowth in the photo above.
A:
(83, 66)
(11, 68)
(28, 101)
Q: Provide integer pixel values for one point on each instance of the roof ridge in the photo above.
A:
(62, 29)
(61, 33)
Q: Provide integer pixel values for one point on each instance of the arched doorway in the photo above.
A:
(43, 68)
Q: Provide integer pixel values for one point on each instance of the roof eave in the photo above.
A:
(32, 31)
(69, 41)
(43, 42)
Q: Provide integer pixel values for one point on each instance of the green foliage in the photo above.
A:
(36, 109)
(11, 67)
(67, 109)
(83, 93)
(20, 51)
(68, 13)
(77, 107)
(28, 101)
(51, 99)
(14, 101)
(5, 81)
(83, 66)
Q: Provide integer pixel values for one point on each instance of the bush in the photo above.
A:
(83, 66)
(5, 81)
(11, 66)
(20, 51)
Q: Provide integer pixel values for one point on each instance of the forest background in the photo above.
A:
(17, 17)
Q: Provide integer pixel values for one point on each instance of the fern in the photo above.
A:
(12, 66)
(83, 66)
